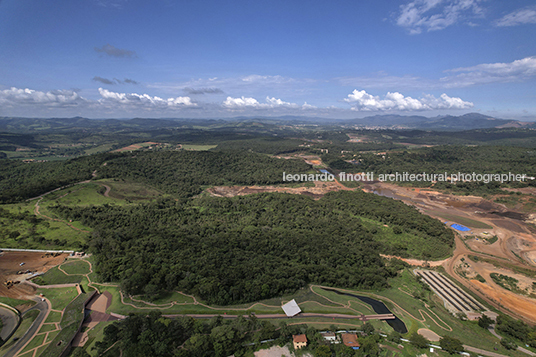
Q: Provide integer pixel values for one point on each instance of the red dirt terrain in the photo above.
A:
(36, 262)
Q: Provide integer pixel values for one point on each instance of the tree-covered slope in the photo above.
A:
(231, 250)
(182, 173)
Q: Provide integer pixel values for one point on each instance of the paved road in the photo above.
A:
(43, 308)
(10, 321)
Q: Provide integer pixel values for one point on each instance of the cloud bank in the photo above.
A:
(56, 98)
(485, 73)
(363, 101)
(143, 100)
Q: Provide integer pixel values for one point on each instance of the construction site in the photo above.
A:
(18, 266)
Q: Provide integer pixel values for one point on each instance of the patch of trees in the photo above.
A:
(516, 329)
(247, 248)
(19, 180)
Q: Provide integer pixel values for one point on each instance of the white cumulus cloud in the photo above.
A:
(248, 102)
(55, 98)
(519, 17)
(432, 15)
(144, 100)
(363, 101)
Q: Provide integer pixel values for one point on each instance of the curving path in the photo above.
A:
(10, 321)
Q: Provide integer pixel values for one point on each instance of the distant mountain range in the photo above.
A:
(463, 122)
(445, 123)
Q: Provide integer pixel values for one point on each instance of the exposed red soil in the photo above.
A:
(36, 262)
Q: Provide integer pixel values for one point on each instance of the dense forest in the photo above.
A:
(178, 172)
(248, 248)
(183, 173)
(490, 159)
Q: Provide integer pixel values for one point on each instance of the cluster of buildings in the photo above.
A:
(348, 339)
(299, 341)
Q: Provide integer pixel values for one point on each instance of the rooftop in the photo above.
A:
(299, 338)
(350, 339)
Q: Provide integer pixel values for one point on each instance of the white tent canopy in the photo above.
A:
(291, 308)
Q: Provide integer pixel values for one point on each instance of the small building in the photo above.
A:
(329, 336)
(350, 340)
(291, 308)
(299, 341)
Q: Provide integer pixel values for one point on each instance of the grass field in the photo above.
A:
(471, 223)
(56, 276)
(198, 147)
(59, 297)
(15, 302)
(414, 245)
(52, 336)
(36, 341)
(44, 234)
(100, 148)
(53, 316)
(77, 267)
(130, 191)
(46, 328)
(86, 194)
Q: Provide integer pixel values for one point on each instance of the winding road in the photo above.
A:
(43, 307)
(10, 322)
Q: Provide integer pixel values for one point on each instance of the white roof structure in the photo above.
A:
(291, 308)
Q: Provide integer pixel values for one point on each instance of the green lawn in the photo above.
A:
(56, 276)
(59, 297)
(76, 267)
(52, 336)
(15, 302)
(46, 328)
(36, 341)
(53, 316)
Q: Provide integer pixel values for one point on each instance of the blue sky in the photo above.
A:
(212, 58)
